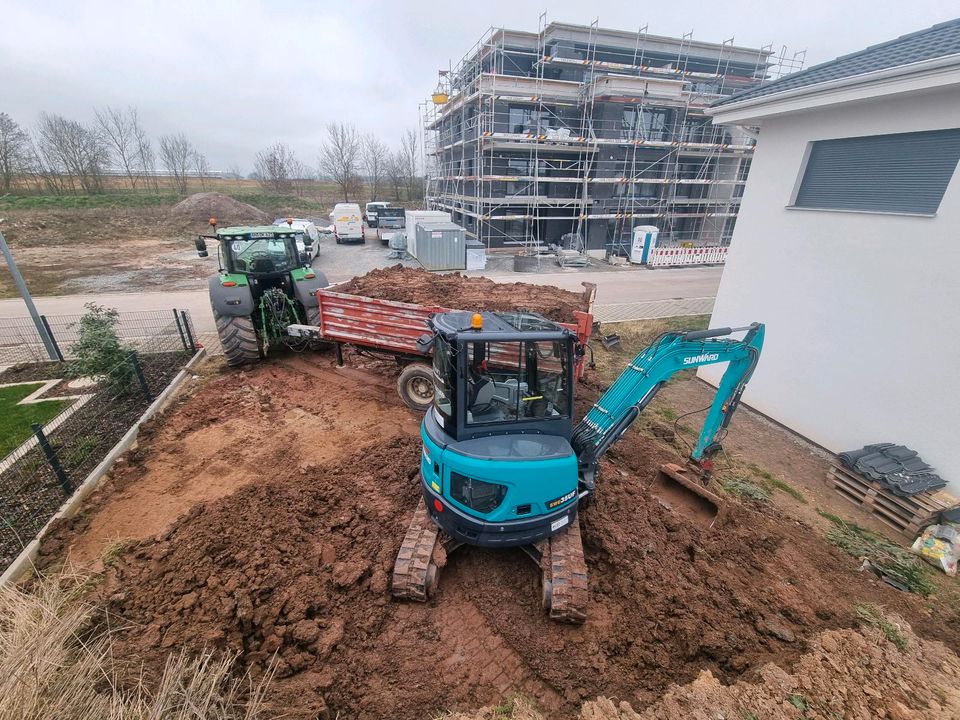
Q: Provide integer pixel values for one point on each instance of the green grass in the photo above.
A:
(872, 615)
(15, 420)
(111, 200)
(890, 559)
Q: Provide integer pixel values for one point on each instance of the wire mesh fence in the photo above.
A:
(55, 456)
(20, 339)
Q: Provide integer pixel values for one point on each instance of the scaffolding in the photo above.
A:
(580, 130)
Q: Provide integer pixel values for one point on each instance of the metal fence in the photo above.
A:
(20, 340)
(45, 469)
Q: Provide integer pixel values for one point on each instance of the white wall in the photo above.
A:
(862, 310)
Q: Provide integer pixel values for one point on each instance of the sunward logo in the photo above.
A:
(706, 357)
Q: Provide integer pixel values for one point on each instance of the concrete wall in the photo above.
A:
(863, 333)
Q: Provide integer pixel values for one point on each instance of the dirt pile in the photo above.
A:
(200, 207)
(846, 673)
(297, 564)
(460, 292)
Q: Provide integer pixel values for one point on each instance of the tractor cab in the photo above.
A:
(260, 250)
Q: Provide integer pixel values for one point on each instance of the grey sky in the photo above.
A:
(238, 75)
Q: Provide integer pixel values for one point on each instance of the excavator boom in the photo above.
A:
(649, 371)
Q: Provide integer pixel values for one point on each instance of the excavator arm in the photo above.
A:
(650, 370)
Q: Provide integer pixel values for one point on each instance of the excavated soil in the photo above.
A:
(200, 207)
(291, 564)
(414, 285)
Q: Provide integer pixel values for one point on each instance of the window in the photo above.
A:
(512, 381)
(519, 120)
(652, 126)
(898, 173)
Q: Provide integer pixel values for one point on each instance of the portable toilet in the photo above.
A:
(644, 240)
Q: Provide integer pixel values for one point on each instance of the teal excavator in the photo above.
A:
(503, 464)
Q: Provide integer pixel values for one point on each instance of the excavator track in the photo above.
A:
(564, 568)
(419, 560)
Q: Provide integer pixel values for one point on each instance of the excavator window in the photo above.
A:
(510, 381)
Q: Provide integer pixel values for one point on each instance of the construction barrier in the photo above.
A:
(673, 256)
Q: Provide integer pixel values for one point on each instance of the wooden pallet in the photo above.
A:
(907, 515)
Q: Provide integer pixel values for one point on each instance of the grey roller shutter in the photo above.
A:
(899, 173)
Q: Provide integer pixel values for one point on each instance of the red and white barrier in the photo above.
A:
(671, 256)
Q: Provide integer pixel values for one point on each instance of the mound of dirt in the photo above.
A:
(414, 285)
(846, 673)
(200, 207)
(296, 565)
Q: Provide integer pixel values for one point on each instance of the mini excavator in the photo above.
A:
(503, 464)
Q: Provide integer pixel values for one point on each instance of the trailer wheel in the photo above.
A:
(238, 338)
(415, 386)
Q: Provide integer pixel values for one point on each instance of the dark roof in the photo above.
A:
(937, 41)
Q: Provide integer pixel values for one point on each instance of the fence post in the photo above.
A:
(52, 459)
(53, 340)
(186, 327)
(183, 338)
(25, 294)
(135, 361)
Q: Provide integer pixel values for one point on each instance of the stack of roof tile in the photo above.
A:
(896, 467)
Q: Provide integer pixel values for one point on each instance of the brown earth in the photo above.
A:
(414, 285)
(307, 480)
(846, 673)
(200, 207)
(99, 250)
(859, 674)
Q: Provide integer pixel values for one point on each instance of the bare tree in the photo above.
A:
(201, 167)
(340, 157)
(177, 155)
(374, 154)
(121, 129)
(14, 151)
(235, 173)
(395, 170)
(409, 152)
(146, 158)
(300, 175)
(276, 167)
(69, 153)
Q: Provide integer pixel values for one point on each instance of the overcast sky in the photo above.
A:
(238, 75)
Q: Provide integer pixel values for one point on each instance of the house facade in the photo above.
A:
(848, 247)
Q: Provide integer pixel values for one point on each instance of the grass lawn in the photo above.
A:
(15, 419)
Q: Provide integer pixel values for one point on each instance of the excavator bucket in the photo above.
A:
(677, 489)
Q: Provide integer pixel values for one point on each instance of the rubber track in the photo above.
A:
(567, 569)
(410, 571)
(238, 339)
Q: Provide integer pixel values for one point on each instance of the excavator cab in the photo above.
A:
(497, 457)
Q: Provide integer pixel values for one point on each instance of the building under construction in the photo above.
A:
(575, 134)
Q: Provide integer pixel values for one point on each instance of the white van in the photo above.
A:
(347, 223)
(304, 229)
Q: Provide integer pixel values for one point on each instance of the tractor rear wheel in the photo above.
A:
(415, 386)
(238, 338)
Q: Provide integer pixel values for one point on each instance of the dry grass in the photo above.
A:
(635, 335)
(515, 708)
(56, 661)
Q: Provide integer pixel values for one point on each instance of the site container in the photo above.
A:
(415, 216)
(440, 245)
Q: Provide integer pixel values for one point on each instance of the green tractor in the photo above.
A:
(264, 284)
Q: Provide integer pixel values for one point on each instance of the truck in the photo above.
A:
(347, 223)
(372, 212)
